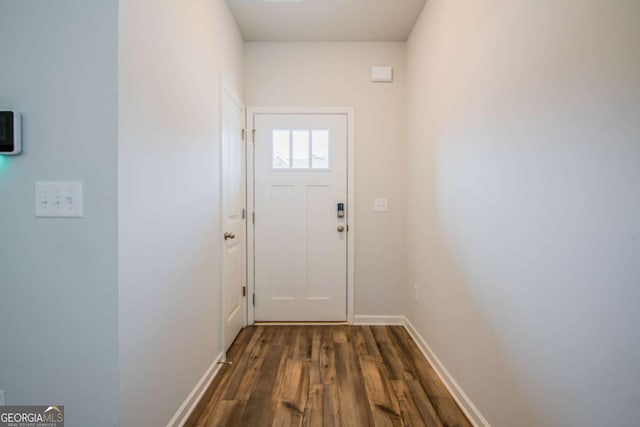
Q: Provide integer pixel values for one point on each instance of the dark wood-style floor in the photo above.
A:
(326, 376)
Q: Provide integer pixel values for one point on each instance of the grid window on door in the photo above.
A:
(300, 149)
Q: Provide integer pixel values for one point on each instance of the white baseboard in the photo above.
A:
(184, 411)
(378, 320)
(461, 398)
(299, 323)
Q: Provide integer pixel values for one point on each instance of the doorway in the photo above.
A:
(301, 233)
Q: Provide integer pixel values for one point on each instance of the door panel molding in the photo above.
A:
(348, 112)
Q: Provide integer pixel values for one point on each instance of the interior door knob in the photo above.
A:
(340, 228)
(228, 235)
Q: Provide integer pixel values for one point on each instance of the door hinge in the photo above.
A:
(347, 228)
(254, 299)
(253, 217)
(244, 214)
(244, 291)
(243, 131)
(253, 133)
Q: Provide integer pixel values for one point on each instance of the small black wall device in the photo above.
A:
(10, 141)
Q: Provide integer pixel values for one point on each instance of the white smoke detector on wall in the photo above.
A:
(382, 74)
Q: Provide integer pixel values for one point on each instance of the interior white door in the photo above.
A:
(233, 204)
(300, 173)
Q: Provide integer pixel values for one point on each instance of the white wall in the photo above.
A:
(58, 277)
(172, 54)
(337, 75)
(523, 211)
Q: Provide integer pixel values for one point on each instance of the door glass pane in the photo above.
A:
(281, 149)
(320, 149)
(301, 149)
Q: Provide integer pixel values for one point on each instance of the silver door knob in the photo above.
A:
(340, 228)
(228, 235)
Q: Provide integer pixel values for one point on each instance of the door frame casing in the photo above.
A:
(226, 88)
(250, 170)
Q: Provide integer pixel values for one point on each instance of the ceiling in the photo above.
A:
(326, 20)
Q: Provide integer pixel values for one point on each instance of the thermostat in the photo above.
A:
(10, 138)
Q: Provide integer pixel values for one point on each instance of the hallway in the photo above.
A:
(326, 376)
(176, 183)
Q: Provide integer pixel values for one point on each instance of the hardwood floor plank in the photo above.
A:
(382, 399)
(247, 368)
(293, 394)
(330, 406)
(400, 368)
(301, 345)
(351, 391)
(208, 401)
(425, 406)
(446, 407)
(364, 342)
(295, 388)
(322, 408)
(327, 360)
(413, 414)
(372, 345)
(315, 376)
(314, 409)
(449, 412)
(424, 371)
(316, 341)
(219, 385)
(241, 342)
(227, 413)
(340, 334)
(356, 337)
(280, 334)
(284, 417)
(261, 405)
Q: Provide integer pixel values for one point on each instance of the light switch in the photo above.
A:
(380, 204)
(58, 200)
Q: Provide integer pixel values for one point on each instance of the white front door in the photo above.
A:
(300, 203)
(233, 203)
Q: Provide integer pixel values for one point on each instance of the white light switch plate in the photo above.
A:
(380, 204)
(58, 200)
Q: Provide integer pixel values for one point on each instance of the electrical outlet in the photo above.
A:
(3, 398)
(415, 293)
(380, 204)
